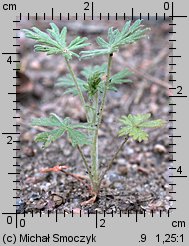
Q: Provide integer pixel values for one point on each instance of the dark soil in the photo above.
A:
(139, 179)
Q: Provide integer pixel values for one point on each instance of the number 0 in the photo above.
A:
(166, 5)
(9, 220)
(22, 223)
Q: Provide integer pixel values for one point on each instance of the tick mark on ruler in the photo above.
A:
(174, 136)
(11, 53)
(14, 173)
(177, 96)
(177, 176)
(132, 13)
(175, 56)
(52, 14)
(13, 93)
(11, 133)
(179, 16)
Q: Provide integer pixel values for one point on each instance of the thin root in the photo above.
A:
(90, 201)
(80, 178)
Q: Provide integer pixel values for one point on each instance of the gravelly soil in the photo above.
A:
(139, 179)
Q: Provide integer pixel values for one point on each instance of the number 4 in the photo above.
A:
(9, 59)
(179, 170)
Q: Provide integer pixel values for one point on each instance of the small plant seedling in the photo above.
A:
(92, 88)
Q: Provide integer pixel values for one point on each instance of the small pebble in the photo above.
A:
(20, 206)
(121, 161)
(122, 169)
(76, 210)
(35, 65)
(158, 148)
(27, 137)
(34, 196)
(57, 199)
(67, 152)
(29, 151)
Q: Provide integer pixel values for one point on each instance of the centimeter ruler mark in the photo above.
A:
(89, 10)
(171, 64)
(99, 218)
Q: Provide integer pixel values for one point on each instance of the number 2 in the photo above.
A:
(87, 5)
(9, 139)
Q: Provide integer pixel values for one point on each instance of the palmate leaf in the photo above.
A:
(93, 84)
(69, 85)
(89, 72)
(133, 125)
(48, 137)
(54, 41)
(119, 78)
(63, 126)
(116, 39)
(77, 137)
(52, 120)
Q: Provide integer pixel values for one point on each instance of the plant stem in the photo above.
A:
(77, 86)
(85, 163)
(94, 146)
(105, 90)
(114, 157)
(94, 152)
